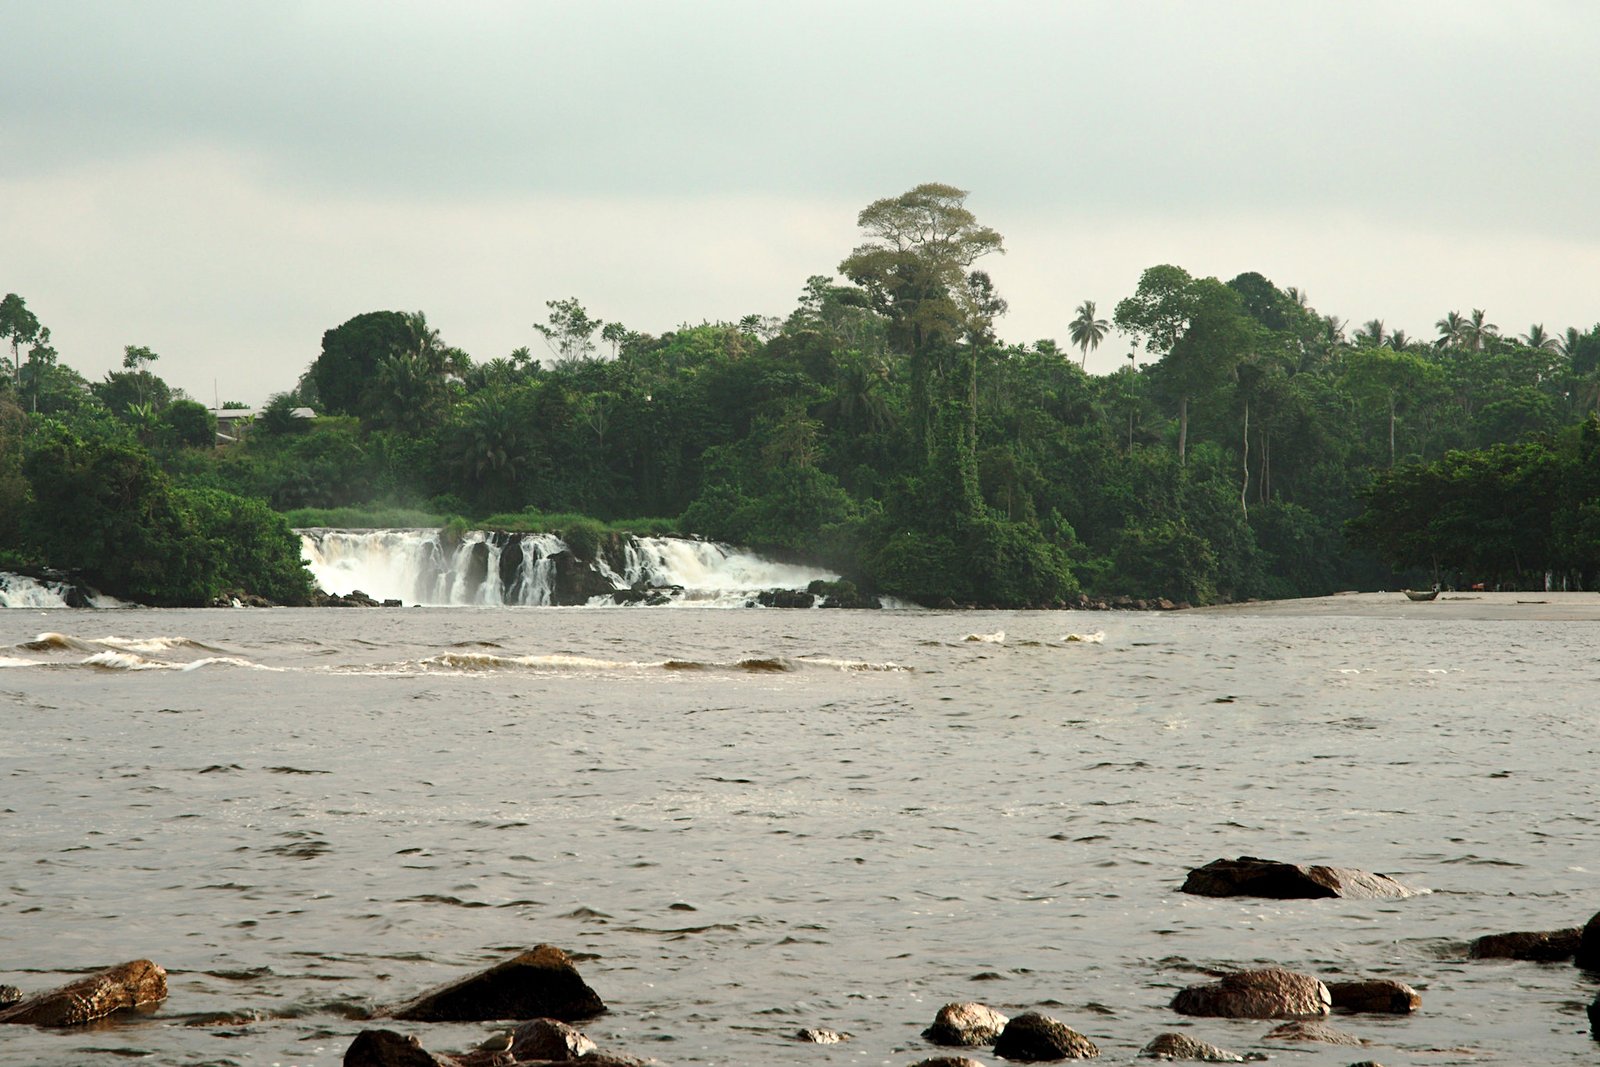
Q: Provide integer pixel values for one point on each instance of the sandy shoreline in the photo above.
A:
(1464, 605)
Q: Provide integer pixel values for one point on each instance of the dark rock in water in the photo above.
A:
(821, 1037)
(842, 594)
(127, 985)
(1268, 993)
(510, 561)
(966, 1024)
(1034, 1038)
(1320, 1033)
(785, 598)
(1249, 876)
(574, 583)
(1171, 1046)
(539, 983)
(1375, 995)
(1588, 954)
(549, 1039)
(385, 1048)
(392, 603)
(1538, 946)
(9, 994)
(947, 1061)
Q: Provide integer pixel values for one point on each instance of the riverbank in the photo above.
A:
(1464, 606)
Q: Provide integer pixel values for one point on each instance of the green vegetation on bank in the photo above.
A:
(1249, 445)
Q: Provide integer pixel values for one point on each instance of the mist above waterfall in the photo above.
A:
(492, 568)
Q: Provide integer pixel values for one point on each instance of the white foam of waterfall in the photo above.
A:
(20, 591)
(404, 565)
(418, 567)
(533, 584)
(714, 572)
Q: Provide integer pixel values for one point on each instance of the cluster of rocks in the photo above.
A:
(354, 599)
(542, 992)
(1084, 602)
(824, 594)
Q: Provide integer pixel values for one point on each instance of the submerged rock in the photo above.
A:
(127, 985)
(1375, 995)
(966, 1024)
(1174, 1046)
(1537, 946)
(539, 983)
(1320, 1033)
(948, 1061)
(1035, 1038)
(1268, 993)
(1250, 876)
(820, 1036)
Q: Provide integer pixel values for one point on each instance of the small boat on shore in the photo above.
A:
(1425, 594)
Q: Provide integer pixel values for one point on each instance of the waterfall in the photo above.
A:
(21, 591)
(490, 569)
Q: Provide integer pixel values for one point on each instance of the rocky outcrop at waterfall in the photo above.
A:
(497, 568)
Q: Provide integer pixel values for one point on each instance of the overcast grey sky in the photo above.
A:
(225, 181)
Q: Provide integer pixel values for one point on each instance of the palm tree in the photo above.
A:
(1452, 330)
(1479, 333)
(1399, 341)
(1569, 341)
(1371, 333)
(1087, 331)
(1536, 337)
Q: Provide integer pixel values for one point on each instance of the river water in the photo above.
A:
(747, 822)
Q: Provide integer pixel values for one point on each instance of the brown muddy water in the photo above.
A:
(747, 822)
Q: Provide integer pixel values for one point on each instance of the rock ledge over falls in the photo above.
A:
(497, 568)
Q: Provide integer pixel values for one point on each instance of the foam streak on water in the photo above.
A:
(744, 828)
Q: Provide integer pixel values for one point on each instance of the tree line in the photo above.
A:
(1251, 446)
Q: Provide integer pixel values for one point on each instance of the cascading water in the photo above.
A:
(489, 568)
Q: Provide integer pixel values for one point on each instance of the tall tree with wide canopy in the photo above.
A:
(19, 326)
(1197, 326)
(913, 268)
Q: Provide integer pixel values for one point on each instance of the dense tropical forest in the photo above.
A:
(1251, 446)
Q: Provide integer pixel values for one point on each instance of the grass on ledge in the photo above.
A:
(364, 518)
(528, 520)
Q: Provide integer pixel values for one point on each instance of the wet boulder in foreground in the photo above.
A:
(1588, 954)
(1035, 1038)
(1374, 995)
(1268, 993)
(1251, 876)
(1174, 1046)
(549, 1039)
(385, 1048)
(541, 983)
(127, 985)
(947, 1061)
(966, 1024)
(1535, 946)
